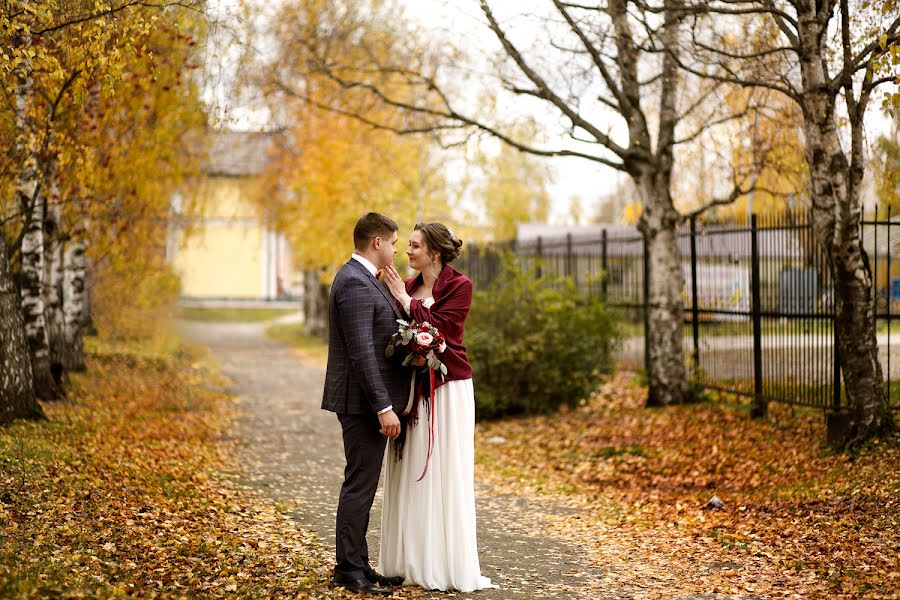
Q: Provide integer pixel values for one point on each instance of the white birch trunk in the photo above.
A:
(53, 279)
(836, 217)
(33, 305)
(652, 175)
(74, 300)
(27, 197)
(666, 372)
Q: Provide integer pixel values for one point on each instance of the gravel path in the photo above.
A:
(292, 452)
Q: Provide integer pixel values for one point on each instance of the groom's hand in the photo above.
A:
(390, 424)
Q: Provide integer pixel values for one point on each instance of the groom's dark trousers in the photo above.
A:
(364, 449)
(359, 382)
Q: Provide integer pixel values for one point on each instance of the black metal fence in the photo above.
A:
(758, 299)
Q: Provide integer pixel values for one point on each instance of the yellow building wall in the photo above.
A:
(220, 251)
(221, 262)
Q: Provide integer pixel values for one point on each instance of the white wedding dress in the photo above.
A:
(428, 526)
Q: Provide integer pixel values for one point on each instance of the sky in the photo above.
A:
(574, 177)
(455, 20)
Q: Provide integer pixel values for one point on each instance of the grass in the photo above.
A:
(234, 314)
(310, 348)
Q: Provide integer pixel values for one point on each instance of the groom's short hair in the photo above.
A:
(372, 225)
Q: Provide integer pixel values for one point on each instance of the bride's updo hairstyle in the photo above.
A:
(441, 240)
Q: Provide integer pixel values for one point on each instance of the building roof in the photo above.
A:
(238, 153)
(532, 231)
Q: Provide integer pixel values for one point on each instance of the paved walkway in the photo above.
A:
(293, 453)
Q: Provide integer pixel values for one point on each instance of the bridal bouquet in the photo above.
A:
(425, 342)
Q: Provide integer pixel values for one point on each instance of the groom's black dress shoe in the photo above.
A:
(376, 577)
(359, 585)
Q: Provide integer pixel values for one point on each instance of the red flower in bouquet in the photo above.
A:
(424, 343)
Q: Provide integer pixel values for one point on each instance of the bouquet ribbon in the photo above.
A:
(412, 409)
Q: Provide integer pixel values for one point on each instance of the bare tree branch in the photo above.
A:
(546, 92)
(734, 79)
(709, 125)
(595, 55)
(736, 193)
(433, 127)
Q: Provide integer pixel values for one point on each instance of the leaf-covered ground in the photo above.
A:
(130, 489)
(798, 521)
(127, 490)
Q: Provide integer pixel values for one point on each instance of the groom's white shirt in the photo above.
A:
(365, 262)
(368, 265)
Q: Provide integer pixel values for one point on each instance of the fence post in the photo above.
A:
(648, 367)
(890, 298)
(540, 251)
(569, 268)
(760, 407)
(695, 312)
(836, 378)
(604, 267)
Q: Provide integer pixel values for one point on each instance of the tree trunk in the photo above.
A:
(652, 175)
(837, 217)
(315, 304)
(33, 305)
(27, 197)
(16, 386)
(74, 300)
(838, 229)
(53, 279)
(87, 312)
(666, 372)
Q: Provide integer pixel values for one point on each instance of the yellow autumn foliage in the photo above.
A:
(330, 168)
(114, 98)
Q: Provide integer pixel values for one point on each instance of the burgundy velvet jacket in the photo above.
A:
(452, 293)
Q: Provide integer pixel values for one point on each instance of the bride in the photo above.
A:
(428, 515)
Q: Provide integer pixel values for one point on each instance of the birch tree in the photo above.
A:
(74, 299)
(58, 59)
(16, 387)
(28, 197)
(607, 70)
(829, 57)
(53, 276)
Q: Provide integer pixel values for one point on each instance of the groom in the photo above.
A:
(366, 390)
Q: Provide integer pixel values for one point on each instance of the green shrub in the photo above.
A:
(535, 344)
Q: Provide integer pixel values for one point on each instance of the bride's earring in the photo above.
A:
(431, 266)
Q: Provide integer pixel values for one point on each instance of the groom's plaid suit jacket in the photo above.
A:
(362, 318)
